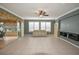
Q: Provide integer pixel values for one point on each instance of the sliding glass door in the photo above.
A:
(36, 25)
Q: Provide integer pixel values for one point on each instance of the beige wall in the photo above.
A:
(56, 29)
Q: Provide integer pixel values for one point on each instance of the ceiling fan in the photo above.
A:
(41, 12)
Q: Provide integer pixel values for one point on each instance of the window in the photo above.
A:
(39, 26)
(48, 26)
(36, 25)
(31, 25)
(42, 26)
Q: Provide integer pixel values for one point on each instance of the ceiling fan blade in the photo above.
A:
(46, 15)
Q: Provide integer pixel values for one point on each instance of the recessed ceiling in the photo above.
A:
(26, 10)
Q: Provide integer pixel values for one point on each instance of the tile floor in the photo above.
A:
(49, 45)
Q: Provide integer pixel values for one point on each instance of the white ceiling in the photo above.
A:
(27, 10)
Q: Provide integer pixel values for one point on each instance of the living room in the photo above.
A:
(39, 29)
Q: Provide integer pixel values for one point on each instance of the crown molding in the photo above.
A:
(10, 11)
(68, 12)
(38, 18)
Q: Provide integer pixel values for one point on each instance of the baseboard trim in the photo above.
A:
(69, 42)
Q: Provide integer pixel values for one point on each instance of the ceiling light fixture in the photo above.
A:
(41, 12)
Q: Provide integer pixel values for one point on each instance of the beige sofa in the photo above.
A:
(39, 33)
